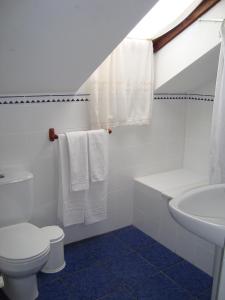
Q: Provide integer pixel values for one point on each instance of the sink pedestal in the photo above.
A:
(202, 212)
(220, 278)
(217, 272)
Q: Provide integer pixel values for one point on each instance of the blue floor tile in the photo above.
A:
(119, 294)
(131, 269)
(92, 283)
(160, 287)
(160, 256)
(206, 295)
(133, 237)
(2, 296)
(47, 278)
(190, 278)
(78, 256)
(55, 290)
(106, 246)
(123, 265)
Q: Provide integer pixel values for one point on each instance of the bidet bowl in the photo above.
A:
(202, 212)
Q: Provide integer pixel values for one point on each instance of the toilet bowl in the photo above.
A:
(24, 250)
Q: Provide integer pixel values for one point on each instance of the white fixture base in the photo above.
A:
(221, 279)
(216, 272)
(56, 270)
(21, 288)
(1, 282)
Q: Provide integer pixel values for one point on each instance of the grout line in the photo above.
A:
(123, 286)
(177, 284)
(104, 262)
(130, 293)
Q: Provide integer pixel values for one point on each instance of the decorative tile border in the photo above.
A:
(32, 99)
(195, 97)
(65, 98)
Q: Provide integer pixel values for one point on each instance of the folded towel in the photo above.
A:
(78, 160)
(96, 201)
(98, 154)
(71, 205)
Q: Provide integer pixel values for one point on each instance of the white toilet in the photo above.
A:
(24, 248)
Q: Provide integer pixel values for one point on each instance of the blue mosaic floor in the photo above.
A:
(123, 265)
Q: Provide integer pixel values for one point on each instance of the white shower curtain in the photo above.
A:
(122, 87)
(217, 154)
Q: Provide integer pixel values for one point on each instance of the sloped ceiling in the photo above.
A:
(188, 64)
(50, 46)
(199, 75)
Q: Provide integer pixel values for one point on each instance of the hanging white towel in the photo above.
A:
(78, 158)
(98, 154)
(96, 201)
(71, 205)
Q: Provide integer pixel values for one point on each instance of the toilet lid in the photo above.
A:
(22, 241)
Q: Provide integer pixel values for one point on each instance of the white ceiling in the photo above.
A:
(199, 75)
(52, 46)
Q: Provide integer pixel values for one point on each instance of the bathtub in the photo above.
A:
(151, 215)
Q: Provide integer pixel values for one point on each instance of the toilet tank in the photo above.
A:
(16, 196)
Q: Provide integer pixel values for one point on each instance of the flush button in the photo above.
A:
(2, 176)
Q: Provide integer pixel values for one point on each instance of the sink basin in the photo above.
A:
(202, 211)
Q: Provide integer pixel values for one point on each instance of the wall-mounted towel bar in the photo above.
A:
(53, 136)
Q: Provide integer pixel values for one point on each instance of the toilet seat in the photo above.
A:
(22, 243)
(24, 261)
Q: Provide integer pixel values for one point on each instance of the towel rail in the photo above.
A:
(53, 136)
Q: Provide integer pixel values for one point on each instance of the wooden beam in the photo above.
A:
(203, 7)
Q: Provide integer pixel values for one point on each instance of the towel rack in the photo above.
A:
(53, 136)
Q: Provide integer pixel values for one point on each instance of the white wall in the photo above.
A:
(134, 151)
(24, 141)
(151, 207)
(47, 47)
(193, 79)
(197, 134)
(197, 138)
(37, 56)
(207, 88)
(189, 46)
(50, 46)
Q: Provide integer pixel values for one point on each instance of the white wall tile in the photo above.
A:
(197, 140)
(13, 148)
(134, 151)
(168, 227)
(148, 225)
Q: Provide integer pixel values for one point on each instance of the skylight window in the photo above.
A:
(165, 15)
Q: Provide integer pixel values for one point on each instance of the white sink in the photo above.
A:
(202, 211)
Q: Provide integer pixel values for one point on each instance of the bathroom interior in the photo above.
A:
(48, 51)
